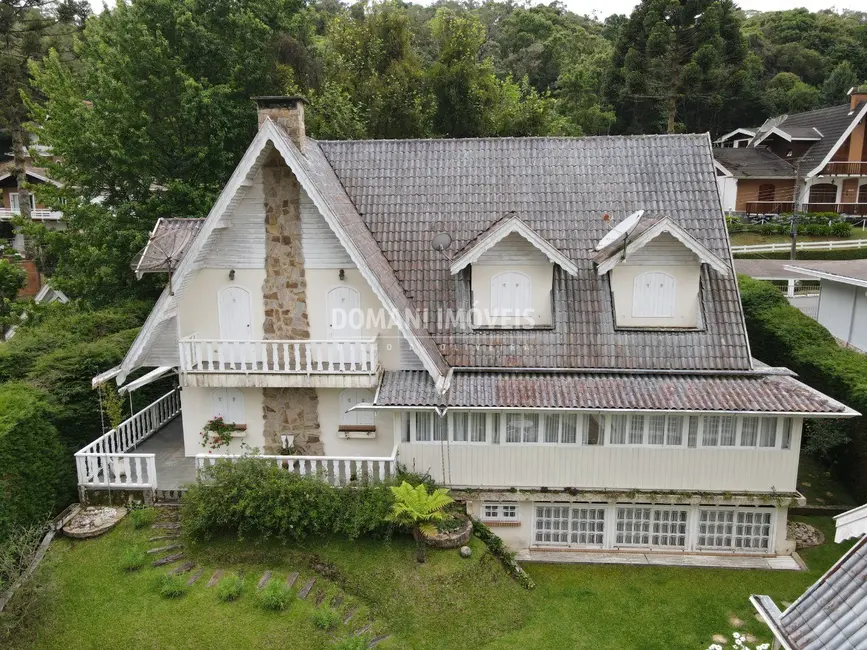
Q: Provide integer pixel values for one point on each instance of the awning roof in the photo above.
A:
(766, 391)
(144, 380)
(852, 523)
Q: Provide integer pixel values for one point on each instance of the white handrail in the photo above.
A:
(305, 356)
(6, 213)
(111, 449)
(802, 245)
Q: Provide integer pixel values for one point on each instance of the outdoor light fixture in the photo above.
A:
(342, 275)
(232, 274)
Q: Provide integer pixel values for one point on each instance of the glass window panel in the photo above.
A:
(595, 429)
(633, 526)
(587, 526)
(522, 427)
(752, 530)
(716, 529)
(491, 511)
(636, 430)
(423, 426)
(404, 427)
(727, 431)
(656, 430)
(477, 427)
(460, 426)
(768, 437)
(710, 436)
(552, 427)
(618, 429)
(787, 429)
(570, 429)
(749, 432)
(674, 430)
(509, 512)
(440, 428)
(669, 527)
(693, 430)
(552, 525)
(495, 428)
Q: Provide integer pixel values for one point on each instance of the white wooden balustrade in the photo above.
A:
(303, 357)
(107, 461)
(335, 470)
(7, 214)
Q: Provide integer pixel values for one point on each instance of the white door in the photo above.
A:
(349, 398)
(344, 323)
(236, 324)
(510, 295)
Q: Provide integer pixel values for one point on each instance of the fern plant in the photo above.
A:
(419, 510)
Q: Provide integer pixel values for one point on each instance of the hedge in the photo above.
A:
(804, 255)
(781, 335)
(836, 229)
(33, 471)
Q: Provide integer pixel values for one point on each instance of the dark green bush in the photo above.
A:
(780, 335)
(803, 255)
(841, 229)
(254, 497)
(32, 460)
(142, 517)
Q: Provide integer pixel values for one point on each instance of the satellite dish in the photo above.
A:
(620, 230)
(441, 241)
(164, 250)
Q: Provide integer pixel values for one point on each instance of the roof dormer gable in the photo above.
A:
(504, 232)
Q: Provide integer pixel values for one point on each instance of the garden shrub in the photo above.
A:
(780, 335)
(500, 551)
(276, 596)
(32, 461)
(133, 559)
(326, 618)
(255, 497)
(229, 587)
(172, 586)
(142, 517)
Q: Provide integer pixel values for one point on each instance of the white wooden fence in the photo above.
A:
(335, 470)
(802, 246)
(7, 214)
(107, 462)
(355, 356)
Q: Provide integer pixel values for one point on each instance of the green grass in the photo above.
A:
(444, 604)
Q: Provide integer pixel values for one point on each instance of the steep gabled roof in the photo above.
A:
(406, 191)
(752, 162)
(501, 229)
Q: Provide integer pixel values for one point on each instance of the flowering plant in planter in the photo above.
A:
(217, 433)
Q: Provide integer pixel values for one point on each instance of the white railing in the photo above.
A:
(111, 450)
(801, 246)
(45, 215)
(335, 470)
(356, 356)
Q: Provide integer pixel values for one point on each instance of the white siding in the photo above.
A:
(511, 250)
(322, 249)
(664, 250)
(241, 245)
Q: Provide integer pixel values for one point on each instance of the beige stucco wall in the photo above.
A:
(197, 407)
(198, 310)
(329, 419)
(541, 278)
(686, 306)
(321, 281)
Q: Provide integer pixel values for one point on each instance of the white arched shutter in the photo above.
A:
(653, 295)
(229, 405)
(349, 398)
(510, 295)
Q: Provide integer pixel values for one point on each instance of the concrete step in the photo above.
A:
(306, 588)
(186, 566)
(291, 578)
(194, 577)
(216, 577)
(168, 559)
(264, 580)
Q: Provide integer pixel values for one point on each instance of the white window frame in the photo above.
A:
(15, 202)
(654, 524)
(736, 512)
(503, 513)
(642, 423)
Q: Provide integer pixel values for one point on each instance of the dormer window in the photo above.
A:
(512, 271)
(655, 276)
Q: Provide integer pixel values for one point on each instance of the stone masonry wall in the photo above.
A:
(291, 411)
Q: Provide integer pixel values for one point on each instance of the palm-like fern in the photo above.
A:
(416, 509)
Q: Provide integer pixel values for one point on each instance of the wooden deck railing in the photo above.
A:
(354, 356)
(111, 451)
(846, 168)
(335, 470)
(768, 207)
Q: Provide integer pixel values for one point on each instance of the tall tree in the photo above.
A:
(672, 63)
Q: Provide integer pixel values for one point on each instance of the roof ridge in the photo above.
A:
(552, 138)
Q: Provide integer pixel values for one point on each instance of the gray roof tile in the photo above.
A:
(753, 162)
(408, 190)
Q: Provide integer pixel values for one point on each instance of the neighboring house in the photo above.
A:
(463, 307)
(815, 160)
(10, 206)
(830, 615)
(842, 305)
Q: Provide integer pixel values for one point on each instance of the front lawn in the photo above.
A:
(447, 603)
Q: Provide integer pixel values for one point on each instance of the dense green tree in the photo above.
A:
(788, 94)
(838, 83)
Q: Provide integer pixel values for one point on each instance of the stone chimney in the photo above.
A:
(287, 112)
(857, 94)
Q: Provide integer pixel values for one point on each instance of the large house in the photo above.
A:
(551, 327)
(816, 161)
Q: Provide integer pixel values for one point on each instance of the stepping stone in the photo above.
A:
(363, 630)
(171, 525)
(264, 580)
(306, 589)
(215, 578)
(378, 639)
(349, 614)
(161, 538)
(291, 578)
(163, 549)
(194, 577)
(336, 600)
(320, 596)
(186, 566)
(168, 559)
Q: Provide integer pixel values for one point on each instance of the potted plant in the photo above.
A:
(217, 433)
(418, 510)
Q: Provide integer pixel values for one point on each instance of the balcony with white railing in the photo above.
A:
(36, 214)
(350, 363)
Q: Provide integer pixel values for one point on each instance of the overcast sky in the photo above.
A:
(603, 8)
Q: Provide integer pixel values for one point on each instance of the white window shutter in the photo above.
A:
(510, 295)
(653, 295)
